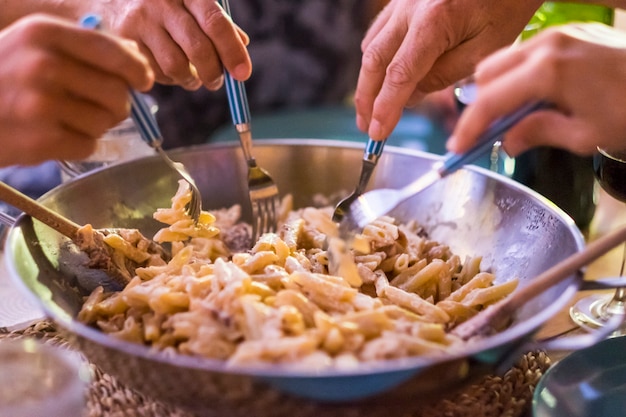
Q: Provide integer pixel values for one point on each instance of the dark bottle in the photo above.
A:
(564, 178)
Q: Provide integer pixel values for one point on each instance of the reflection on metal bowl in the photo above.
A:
(517, 232)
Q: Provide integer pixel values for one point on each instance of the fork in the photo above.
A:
(262, 189)
(150, 133)
(373, 150)
(374, 204)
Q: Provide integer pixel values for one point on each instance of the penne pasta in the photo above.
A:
(300, 296)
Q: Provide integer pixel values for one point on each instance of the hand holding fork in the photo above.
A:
(262, 189)
(373, 150)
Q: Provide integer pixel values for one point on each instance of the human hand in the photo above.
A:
(416, 47)
(62, 87)
(578, 68)
(187, 42)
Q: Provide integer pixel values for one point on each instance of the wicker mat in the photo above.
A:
(502, 396)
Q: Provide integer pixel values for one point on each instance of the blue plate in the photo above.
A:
(590, 382)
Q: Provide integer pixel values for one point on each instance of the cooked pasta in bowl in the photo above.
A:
(227, 321)
(296, 297)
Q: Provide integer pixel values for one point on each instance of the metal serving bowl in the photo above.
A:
(516, 231)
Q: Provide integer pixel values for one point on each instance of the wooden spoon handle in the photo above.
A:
(493, 317)
(38, 211)
(567, 267)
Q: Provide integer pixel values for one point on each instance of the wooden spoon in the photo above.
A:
(499, 315)
(91, 241)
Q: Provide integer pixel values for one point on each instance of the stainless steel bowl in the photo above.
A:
(518, 233)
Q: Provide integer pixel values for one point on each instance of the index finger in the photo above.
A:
(413, 59)
(101, 50)
(495, 99)
(228, 39)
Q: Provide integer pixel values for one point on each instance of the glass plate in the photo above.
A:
(590, 382)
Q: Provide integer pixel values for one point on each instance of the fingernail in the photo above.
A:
(451, 143)
(192, 84)
(241, 72)
(216, 84)
(376, 130)
(361, 123)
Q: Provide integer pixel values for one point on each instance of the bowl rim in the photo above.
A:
(516, 333)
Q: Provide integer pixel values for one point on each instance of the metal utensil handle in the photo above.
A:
(454, 161)
(373, 150)
(6, 219)
(140, 111)
(144, 120)
(236, 90)
(237, 100)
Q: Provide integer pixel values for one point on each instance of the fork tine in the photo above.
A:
(194, 207)
(264, 214)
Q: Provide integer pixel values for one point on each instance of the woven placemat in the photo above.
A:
(498, 396)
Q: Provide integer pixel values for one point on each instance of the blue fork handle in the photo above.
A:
(453, 161)
(139, 109)
(144, 120)
(237, 100)
(235, 90)
(373, 150)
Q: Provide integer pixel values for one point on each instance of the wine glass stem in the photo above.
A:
(617, 305)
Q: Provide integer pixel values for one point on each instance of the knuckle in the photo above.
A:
(215, 17)
(174, 68)
(373, 60)
(399, 74)
(32, 105)
(40, 66)
(35, 28)
(434, 81)
(132, 13)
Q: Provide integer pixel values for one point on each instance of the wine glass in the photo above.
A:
(594, 311)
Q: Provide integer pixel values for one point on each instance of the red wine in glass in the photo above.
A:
(594, 311)
(610, 170)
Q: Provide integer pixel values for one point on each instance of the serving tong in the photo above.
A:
(262, 189)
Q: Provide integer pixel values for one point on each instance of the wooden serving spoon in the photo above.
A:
(119, 264)
(499, 315)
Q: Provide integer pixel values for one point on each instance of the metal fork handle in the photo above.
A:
(236, 92)
(143, 118)
(140, 111)
(239, 107)
(245, 137)
(453, 161)
(373, 150)
(237, 100)
(6, 219)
